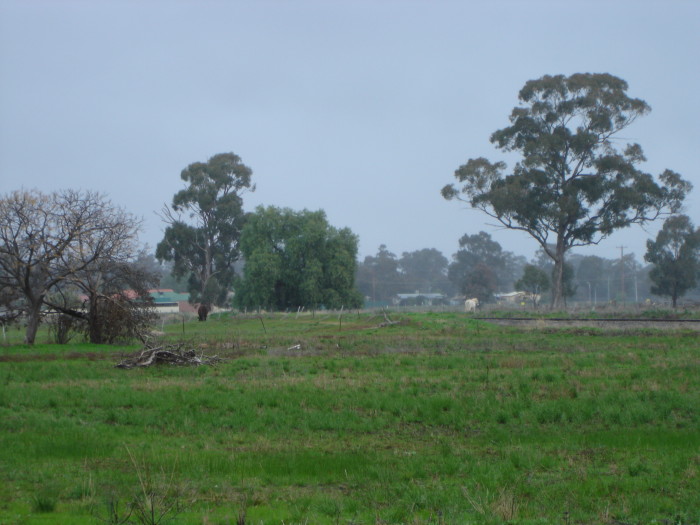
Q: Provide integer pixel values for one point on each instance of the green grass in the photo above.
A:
(435, 419)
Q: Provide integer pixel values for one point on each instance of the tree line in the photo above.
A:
(75, 255)
(482, 268)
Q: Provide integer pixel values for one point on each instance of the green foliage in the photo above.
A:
(591, 270)
(534, 280)
(481, 267)
(425, 270)
(296, 259)
(169, 281)
(206, 250)
(378, 276)
(675, 255)
(574, 184)
(115, 512)
(45, 500)
(157, 500)
(568, 281)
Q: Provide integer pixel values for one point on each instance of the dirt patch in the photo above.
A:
(587, 326)
(70, 356)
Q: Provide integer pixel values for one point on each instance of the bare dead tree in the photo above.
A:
(53, 243)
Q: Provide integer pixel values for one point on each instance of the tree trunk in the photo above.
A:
(558, 284)
(558, 276)
(94, 324)
(207, 272)
(33, 321)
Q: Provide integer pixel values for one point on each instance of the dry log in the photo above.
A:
(387, 322)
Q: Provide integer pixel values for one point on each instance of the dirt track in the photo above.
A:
(609, 324)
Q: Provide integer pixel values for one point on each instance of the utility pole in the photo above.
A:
(590, 300)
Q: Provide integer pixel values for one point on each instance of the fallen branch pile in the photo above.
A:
(387, 321)
(173, 354)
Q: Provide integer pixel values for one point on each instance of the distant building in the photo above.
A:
(168, 301)
(515, 297)
(419, 299)
(165, 301)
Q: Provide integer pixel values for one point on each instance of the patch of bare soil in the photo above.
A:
(604, 324)
(70, 356)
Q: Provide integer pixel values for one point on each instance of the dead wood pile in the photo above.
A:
(387, 321)
(172, 354)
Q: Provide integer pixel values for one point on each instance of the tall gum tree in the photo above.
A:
(204, 225)
(576, 182)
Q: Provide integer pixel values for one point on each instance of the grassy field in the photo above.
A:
(435, 419)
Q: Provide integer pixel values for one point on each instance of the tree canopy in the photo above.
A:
(296, 259)
(481, 267)
(576, 182)
(675, 255)
(424, 270)
(204, 226)
(378, 276)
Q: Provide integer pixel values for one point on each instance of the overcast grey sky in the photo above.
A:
(361, 108)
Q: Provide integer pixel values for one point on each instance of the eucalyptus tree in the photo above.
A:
(205, 221)
(378, 276)
(481, 266)
(576, 182)
(675, 254)
(424, 270)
